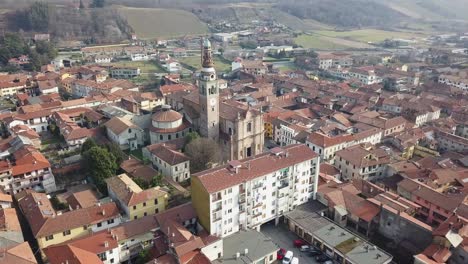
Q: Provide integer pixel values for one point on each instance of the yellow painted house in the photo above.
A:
(51, 227)
(134, 201)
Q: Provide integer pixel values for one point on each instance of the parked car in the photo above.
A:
(305, 248)
(315, 252)
(322, 258)
(280, 254)
(295, 261)
(328, 262)
(288, 257)
(299, 243)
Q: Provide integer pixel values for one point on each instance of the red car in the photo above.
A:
(299, 243)
(280, 254)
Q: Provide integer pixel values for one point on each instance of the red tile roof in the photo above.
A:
(223, 177)
(325, 141)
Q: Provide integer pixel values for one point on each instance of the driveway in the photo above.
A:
(284, 238)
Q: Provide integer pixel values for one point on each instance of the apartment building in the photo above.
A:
(30, 169)
(248, 193)
(361, 162)
(327, 146)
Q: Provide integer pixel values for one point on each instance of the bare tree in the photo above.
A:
(202, 152)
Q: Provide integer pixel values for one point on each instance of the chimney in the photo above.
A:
(237, 255)
(103, 212)
(246, 251)
(106, 244)
(173, 235)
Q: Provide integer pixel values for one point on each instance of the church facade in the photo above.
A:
(237, 127)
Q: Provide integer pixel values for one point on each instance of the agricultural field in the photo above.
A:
(313, 41)
(145, 66)
(369, 35)
(221, 64)
(154, 22)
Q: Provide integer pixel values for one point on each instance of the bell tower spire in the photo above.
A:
(208, 94)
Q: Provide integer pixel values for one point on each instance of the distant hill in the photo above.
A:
(430, 9)
(343, 13)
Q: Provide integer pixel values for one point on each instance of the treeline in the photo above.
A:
(349, 13)
(92, 25)
(13, 45)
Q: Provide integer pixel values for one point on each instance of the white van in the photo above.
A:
(295, 261)
(288, 257)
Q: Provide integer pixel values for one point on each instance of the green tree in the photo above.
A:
(190, 137)
(115, 150)
(37, 16)
(98, 3)
(88, 144)
(157, 180)
(46, 49)
(202, 152)
(144, 256)
(101, 165)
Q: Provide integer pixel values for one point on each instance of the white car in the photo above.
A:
(295, 261)
(288, 257)
(305, 248)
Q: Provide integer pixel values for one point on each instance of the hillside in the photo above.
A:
(102, 25)
(429, 9)
(346, 14)
(155, 22)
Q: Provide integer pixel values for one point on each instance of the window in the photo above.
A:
(102, 256)
(156, 210)
(85, 227)
(66, 233)
(155, 201)
(144, 204)
(49, 237)
(134, 207)
(145, 213)
(169, 137)
(249, 127)
(111, 260)
(110, 221)
(99, 224)
(135, 217)
(229, 211)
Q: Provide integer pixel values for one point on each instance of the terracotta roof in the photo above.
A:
(71, 255)
(172, 88)
(449, 203)
(325, 141)
(135, 228)
(223, 177)
(136, 169)
(329, 169)
(364, 157)
(19, 254)
(29, 159)
(166, 116)
(172, 157)
(82, 199)
(9, 220)
(45, 221)
(130, 193)
(118, 125)
(5, 197)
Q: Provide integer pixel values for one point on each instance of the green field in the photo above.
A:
(317, 42)
(154, 23)
(221, 65)
(369, 35)
(145, 66)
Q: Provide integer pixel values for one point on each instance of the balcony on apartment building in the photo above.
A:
(216, 197)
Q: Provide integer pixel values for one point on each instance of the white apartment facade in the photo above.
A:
(248, 197)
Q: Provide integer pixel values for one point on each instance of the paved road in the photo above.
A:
(281, 236)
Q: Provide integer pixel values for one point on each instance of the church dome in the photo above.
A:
(167, 115)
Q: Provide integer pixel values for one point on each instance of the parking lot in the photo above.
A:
(281, 236)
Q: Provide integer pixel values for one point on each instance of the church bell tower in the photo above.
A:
(208, 94)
